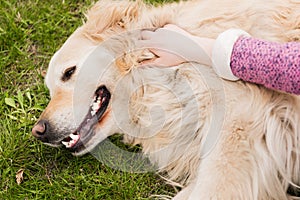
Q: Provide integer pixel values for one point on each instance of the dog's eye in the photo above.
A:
(68, 73)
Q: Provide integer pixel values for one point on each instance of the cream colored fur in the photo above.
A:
(257, 155)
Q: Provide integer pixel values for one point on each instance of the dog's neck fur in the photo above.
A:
(158, 100)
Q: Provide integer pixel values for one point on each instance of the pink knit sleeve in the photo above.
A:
(274, 65)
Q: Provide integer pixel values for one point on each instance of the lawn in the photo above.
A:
(30, 32)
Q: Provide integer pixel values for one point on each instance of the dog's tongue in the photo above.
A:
(85, 128)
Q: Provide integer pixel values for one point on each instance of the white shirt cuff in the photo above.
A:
(222, 50)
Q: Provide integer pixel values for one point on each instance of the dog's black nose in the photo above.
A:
(40, 129)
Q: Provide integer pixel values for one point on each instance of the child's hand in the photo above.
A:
(173, 46)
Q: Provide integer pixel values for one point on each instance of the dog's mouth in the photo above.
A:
(75, 141)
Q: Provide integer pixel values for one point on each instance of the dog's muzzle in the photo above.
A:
(76, 140)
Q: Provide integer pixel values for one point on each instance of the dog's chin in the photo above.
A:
(84, 138)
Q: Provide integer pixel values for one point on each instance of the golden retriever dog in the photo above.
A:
(218, 139)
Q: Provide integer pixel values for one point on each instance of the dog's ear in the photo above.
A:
(107, 14)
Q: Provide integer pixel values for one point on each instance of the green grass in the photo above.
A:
(30, 32)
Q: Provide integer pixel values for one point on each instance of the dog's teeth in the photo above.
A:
(95, 106)
(93, 113)
(74, 137)
(67, 144)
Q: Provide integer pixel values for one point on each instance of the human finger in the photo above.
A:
(148, 44)
(175, 28)
(147, 34)
(143, 44)
(156, 62)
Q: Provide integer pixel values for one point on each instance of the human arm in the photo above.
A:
(173, 46)
(233, 55)
(272, 64)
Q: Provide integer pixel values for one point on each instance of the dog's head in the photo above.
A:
(81, 77)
